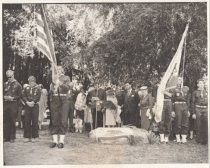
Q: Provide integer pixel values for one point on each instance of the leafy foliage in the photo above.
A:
(145, 39)
(117, 42)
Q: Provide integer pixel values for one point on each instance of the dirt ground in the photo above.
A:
(79, 149)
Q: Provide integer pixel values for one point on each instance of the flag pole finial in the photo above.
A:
(189, 20)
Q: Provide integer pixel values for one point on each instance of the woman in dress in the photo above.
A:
(111, 113)
(146, 105)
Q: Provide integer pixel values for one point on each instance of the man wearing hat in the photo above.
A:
(200, 112)
(181, 101)
(131, 101)
(12, 94)
(31, 97)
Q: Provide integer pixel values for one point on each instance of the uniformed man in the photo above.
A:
(12, 94)
(166, 121)
(165, 124)
(61, 103)
(200, 112)
(181, 100)
(31, 97)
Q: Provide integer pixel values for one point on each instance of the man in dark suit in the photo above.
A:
(131, 100)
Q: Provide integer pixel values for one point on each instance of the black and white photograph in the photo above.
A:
(105, 83)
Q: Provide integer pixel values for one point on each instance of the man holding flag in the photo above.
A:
(165, 123)
(61, 102)
(169, 81)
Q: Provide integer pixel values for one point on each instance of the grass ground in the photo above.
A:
(79, 149)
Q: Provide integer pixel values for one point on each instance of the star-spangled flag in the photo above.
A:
(44, 40)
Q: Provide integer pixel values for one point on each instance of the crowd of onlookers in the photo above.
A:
(184, 114)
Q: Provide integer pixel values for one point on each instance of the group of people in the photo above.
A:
(77, 109)
(185, 113)
(30, 100)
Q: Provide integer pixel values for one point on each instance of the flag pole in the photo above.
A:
(48, 35)
(51, 47)
(184, 58)
(184, 55)
(174, 62)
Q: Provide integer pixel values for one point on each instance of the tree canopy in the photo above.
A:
(121, 42)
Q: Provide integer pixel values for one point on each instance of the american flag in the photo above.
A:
(44, 41)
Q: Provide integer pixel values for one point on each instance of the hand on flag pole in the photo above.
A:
(173, 114)
(175, 64)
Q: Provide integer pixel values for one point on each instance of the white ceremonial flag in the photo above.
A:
(173, 69)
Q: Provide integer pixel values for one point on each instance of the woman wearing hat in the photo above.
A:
(111, 114)
(146, 104)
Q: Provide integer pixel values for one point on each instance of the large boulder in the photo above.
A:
(122, 135)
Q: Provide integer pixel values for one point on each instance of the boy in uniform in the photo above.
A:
(31, 97)
(200, 112)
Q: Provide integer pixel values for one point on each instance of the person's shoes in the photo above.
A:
(184, 139)
(33, 140)
(26, 140)
(6, 140)
(166, 139)
(53, 145)
(189, 138)
(162, 142)
(203, 143)
(71, 130)
(12, 140)
(60, 145)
